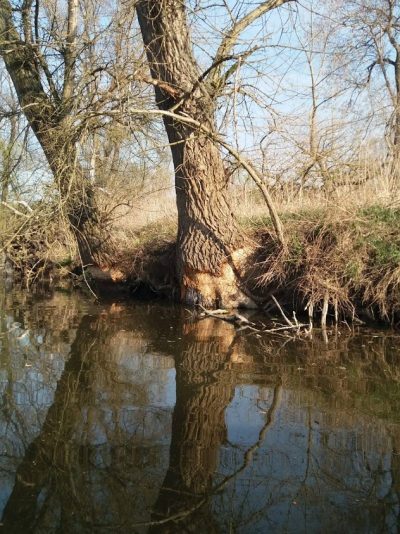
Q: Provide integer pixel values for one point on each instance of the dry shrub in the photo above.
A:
(39, 243)
(333, 263)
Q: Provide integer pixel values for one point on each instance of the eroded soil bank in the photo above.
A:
(337, 266)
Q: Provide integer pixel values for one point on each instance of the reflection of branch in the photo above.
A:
(248, 456)
(303, 483)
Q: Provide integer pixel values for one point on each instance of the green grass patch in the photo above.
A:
(156, 232)
(385, 252)
(382, 215)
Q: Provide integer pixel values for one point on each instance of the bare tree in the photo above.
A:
(323, 148)
(67, 76)
(47, 111)
(368, 40)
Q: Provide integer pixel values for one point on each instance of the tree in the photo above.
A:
(368, 39)
(209, 244)
(47, 112)
(322, 147)
(66, 74)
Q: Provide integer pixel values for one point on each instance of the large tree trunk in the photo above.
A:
(208, 243)
(76, 191)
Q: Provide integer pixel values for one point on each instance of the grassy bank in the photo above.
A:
(338, 263)
(342, 259)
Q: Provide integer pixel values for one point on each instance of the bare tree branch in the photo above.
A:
(231, 36)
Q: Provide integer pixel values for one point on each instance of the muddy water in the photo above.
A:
(136, 418)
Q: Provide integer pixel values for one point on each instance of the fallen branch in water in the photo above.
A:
(235, 318)
(287, 320)
(244, 324)
(277, 329)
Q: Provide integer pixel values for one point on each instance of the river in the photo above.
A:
(133, 417)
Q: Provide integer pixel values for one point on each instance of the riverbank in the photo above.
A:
(340, 262)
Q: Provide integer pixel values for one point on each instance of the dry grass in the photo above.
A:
(336, 261)
(343, 246)
(352, 193)
(38, 244)
(145, 233)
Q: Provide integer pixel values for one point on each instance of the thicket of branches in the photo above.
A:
(309, 89)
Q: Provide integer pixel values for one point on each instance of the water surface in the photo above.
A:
(133, 417)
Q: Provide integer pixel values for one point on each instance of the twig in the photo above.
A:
(236, 318)
(248, 327)
(5, 204)
(219, 312)
(25, 204)
(271, 330)
(287, 320)
(245, 324)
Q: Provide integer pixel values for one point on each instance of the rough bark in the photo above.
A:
(208, 238)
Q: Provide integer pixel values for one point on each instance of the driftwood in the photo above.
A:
(244, 324)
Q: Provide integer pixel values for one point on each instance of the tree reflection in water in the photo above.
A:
(261, 438)
(105, 433)
(204, 388)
